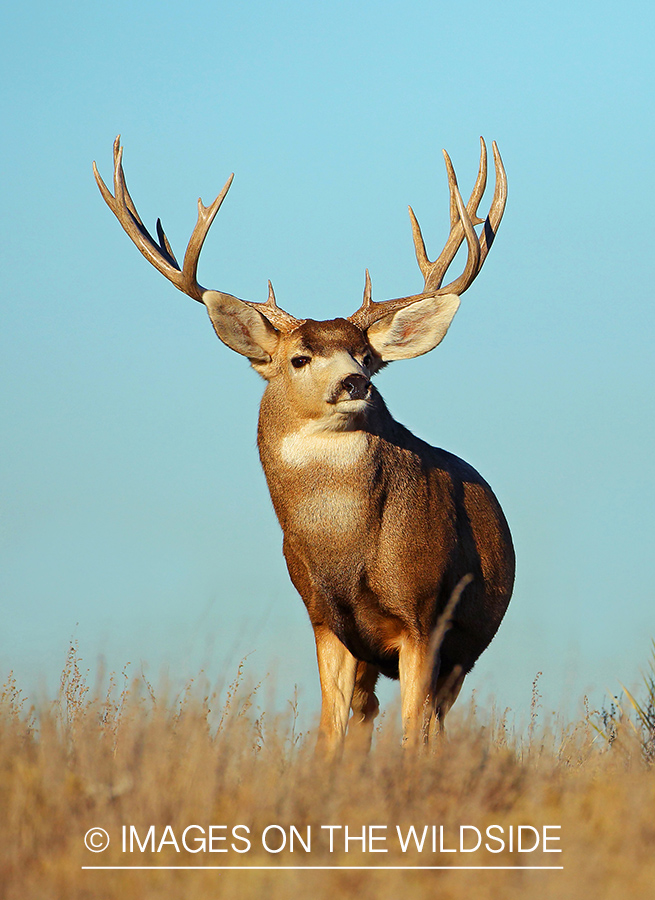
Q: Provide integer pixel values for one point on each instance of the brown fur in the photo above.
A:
(376, 545)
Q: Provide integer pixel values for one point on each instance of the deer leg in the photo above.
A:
(446, 692)
(337, 668)
(416, 698)
(364, 706)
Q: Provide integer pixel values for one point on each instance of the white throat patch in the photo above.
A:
(310, 446)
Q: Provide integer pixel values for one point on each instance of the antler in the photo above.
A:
(160, 254)
(462, 220)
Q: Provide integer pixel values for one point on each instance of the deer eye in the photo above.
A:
(299, 361)
(366, 362)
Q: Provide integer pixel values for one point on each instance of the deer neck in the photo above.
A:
(304, 457)
(289, 442)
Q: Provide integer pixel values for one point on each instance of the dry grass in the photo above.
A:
(129, 755)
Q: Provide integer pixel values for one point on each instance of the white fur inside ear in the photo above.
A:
(414, 330)
(240, 326)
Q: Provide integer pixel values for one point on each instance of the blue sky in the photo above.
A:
(134, 512)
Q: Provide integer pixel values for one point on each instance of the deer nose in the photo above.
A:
(356, 386)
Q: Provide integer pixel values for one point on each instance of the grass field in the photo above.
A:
(139, 762)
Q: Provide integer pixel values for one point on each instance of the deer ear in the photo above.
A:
(241, 327)
(414, 330)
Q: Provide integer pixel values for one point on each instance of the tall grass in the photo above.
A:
(121, 752)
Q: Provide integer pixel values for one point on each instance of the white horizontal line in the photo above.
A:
(322, 868)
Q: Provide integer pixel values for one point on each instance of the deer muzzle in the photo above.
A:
(356, 386)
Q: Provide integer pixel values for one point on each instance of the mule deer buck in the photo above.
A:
(379, 527)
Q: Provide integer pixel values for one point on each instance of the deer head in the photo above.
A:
(396, 329)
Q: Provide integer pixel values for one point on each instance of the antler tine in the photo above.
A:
(478, 188)
(278, 317)
(206, 215)
(473, 260)
(163, 242)
(462, 221)
(433, 272)
(497, 209)
(159, 254)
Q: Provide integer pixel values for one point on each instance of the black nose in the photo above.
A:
(356, 386)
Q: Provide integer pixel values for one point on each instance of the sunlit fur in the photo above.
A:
(379, 528)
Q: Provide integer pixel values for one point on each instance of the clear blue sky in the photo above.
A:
(134, 512)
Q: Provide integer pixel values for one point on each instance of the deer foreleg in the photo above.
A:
(416, 698)
(337, 668)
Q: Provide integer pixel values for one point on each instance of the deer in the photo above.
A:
(399, 550)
